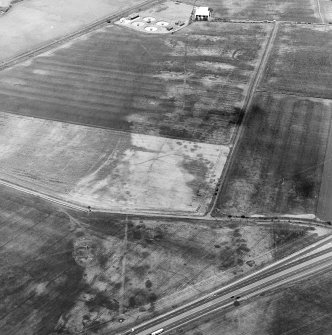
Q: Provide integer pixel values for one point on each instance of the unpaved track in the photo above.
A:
(159, 215)
(123, 269)
(246, 107)
(320, 12)
(324, 208)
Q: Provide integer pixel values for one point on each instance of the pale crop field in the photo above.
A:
(32, 23)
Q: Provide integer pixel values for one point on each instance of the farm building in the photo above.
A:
(202, 13)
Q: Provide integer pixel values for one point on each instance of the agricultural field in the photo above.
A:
(32, 23)
(66, 271)
(106, 169)
(278, 166)
(284, 10)
(190, 85)
(303, 308)
(301, 62)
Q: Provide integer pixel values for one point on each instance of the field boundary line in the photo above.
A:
(123, 269)
(320, 12)
(244, 115)
(294, 94)
(23, 56)
(328, 142)
(119, 131)
(166, 215)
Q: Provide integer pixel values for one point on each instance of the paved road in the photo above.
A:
(298, 265)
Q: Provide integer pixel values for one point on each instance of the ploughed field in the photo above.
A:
(189, 86)
(283, 157)
(284, 10)
(301, 62)
(278, 164)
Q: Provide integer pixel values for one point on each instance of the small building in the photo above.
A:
(133, 16)
(202, 13)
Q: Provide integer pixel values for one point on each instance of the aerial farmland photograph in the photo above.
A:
(166, 167)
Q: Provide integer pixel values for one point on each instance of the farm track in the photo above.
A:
(165, 215)
(293, 94)
(320, 12)
(246, 106)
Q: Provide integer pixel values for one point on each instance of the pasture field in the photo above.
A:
(32, 23)
(51, 281)
(284, 10)
(301, 62)
(190, 85)
(277, 168)
(300, 309)
(107, 169)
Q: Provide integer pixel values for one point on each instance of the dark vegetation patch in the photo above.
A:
(139, 297)
(233, 253)
(102, 300)
(140, 270)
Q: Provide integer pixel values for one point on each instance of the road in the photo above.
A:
(312, 259)
(324, 208)
(246, 108)
(160, 215)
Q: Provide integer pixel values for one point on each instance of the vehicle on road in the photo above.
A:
(159, 331)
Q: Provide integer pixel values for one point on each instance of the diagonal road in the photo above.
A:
(312, 259)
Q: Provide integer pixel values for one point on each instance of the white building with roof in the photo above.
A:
(202, 13)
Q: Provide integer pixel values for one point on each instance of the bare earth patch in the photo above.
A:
(108, 169)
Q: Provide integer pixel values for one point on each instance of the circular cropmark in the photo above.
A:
(123, 20)
(149, 19)
(162, 23)
(151, 29)
(138, 24)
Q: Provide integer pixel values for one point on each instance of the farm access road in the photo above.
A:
(245, 108)
(207, 217)
(311, 260)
